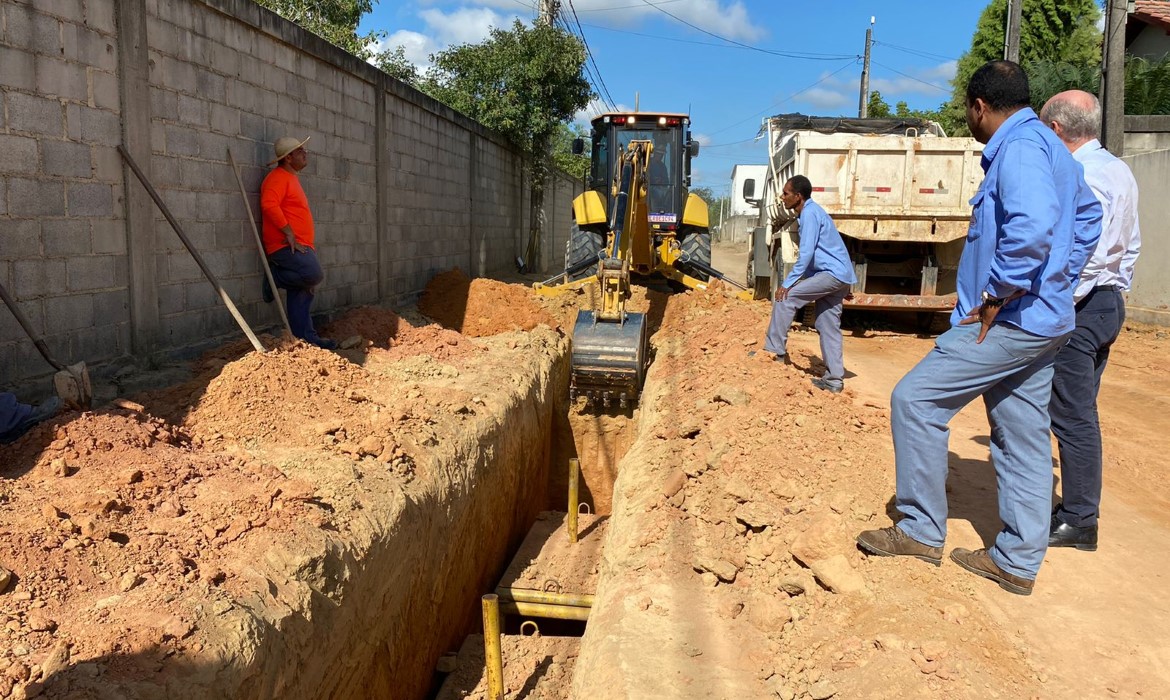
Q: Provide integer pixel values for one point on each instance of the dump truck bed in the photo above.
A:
(897, 190)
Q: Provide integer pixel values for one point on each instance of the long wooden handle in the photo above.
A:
(227, 300)
(260, 245)
(24, 323)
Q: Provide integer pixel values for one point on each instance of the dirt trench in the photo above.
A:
(294, 524)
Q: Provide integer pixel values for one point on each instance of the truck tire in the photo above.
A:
(583, 244)
(696, 245)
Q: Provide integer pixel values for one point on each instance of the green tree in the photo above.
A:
(393, 62)
(524, 82)
(878, 108)
(1061, 31)
(716, 204)
(335, 21)
(562, 149)
(1147, 86)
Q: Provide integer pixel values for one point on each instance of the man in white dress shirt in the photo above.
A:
(1075, 116)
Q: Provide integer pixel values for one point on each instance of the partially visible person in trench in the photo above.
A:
(289, 239)
(18, 418)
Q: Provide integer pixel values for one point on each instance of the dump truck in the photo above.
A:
(898, 191)
(638, 218)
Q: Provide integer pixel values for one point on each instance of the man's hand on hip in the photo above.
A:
(985, 314)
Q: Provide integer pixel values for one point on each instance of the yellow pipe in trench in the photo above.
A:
(528, 595)
(493, 657)
(556, 612)
(574, 477)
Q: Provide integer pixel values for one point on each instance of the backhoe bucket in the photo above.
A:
(609, 359)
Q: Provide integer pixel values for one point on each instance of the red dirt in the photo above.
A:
(481, 307)
(112, 520)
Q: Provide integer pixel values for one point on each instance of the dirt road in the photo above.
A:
(1093, 627)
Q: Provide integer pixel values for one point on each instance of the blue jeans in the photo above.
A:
(1012, 371)
(298, 274)
(12, 414)
(828, 294)
(1079, 365)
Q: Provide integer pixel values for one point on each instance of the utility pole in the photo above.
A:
(1113, 78)
(1011, 42)
(549, 9)
(863, 102)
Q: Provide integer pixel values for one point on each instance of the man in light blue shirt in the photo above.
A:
(1034, 222)
(822, 276)
(1075, 117)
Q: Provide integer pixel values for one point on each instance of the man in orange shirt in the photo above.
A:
(289, 237)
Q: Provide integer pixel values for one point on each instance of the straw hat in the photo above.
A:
(284, 146)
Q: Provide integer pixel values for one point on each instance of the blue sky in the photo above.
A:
(810, 60)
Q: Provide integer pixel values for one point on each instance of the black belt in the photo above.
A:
(1107, 288)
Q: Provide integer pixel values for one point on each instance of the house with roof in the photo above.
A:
(1147, 29)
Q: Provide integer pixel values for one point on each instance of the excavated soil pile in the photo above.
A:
(213, 538)
(481, 307)
(110, 518)
(385, 330)
(731, 554)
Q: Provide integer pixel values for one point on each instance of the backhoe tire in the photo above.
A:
(583, 244)
(696, 245)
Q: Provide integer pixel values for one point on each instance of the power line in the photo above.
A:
(733, 143)
(842, 57)
(784, 54)
(777, 104)
(915, 52)
(589, 54)
(625, 7)
(907, 75)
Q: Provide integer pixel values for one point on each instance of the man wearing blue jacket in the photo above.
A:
(822, 276)
(1034, 222)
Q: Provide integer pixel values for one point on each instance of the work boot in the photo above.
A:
(980, 563)
(323, 343)
(1065, 535)
(826, 385)
(783, 359)
(893, 542)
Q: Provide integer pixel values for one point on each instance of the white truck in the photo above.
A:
(898, 191)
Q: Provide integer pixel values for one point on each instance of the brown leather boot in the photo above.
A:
(892, 542)
(980, 562)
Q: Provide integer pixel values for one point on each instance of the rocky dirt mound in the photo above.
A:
(481, 307)
(129, 536)
(108, 518)
(394, 337)
(732, 547)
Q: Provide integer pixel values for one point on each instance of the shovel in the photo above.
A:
(71, 383)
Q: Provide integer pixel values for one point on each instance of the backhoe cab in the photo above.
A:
(638, 217)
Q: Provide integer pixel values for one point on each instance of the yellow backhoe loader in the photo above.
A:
(637, 218)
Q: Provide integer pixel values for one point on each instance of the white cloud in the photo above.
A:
(730, 20)
(416, 47)
(843, 90)
(597, 107)
(466, 25)
(828, 98)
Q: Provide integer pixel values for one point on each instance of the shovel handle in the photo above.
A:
(23, 321)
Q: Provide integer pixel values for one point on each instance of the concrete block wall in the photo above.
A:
(401, 186)
(1149, 298)
(62, 247)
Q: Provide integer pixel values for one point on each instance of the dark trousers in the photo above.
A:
(298, 274)
(12, 415)
(1073, 408)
